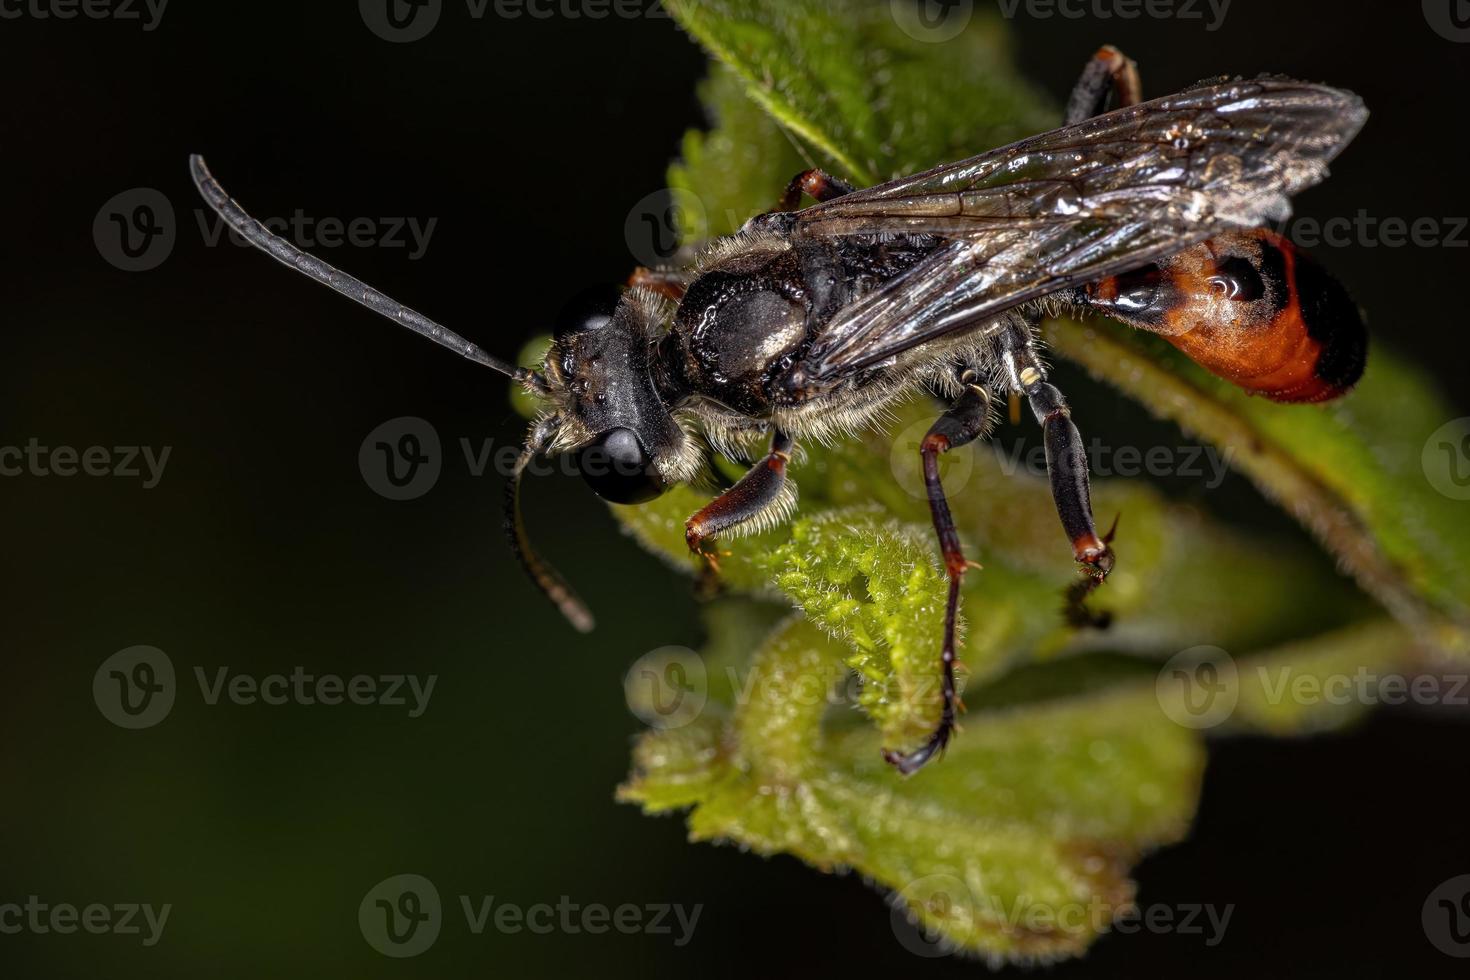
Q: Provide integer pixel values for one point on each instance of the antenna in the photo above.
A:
(354, 289)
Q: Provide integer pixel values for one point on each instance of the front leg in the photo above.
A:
(762, 492)
(966, 421)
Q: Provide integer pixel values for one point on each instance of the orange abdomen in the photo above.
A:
(1250, 308)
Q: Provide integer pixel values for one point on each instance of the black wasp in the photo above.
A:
(807, 323)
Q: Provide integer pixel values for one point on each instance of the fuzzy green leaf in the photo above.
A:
(867, 96)
(1019, 844)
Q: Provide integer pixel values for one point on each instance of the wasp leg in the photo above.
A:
(821, 185)
(967, 420)
(668, 283)
(1110, 72)
(1066, 465)
(757, 494)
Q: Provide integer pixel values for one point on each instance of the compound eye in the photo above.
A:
(618, 470)
(591, 309)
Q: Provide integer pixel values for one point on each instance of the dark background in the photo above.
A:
(262, 548)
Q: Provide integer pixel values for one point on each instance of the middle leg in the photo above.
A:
(966, 421)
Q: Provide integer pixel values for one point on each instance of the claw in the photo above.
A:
(908, 763)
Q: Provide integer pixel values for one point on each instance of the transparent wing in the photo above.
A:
(1076, 204)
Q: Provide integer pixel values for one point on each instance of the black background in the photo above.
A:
(262, 548)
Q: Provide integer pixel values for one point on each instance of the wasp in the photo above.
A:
(808, 322)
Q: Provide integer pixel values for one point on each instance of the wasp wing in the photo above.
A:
(1074, 205)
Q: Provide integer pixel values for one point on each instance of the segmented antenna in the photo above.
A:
(545, 577)
(284, 252)
(354, 289)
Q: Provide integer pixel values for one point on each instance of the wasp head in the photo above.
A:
(610, 414)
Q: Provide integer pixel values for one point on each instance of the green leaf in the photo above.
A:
(1079, 752)
(1351, 471)
(736, 170)
(869, 99)
(1019, 843)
